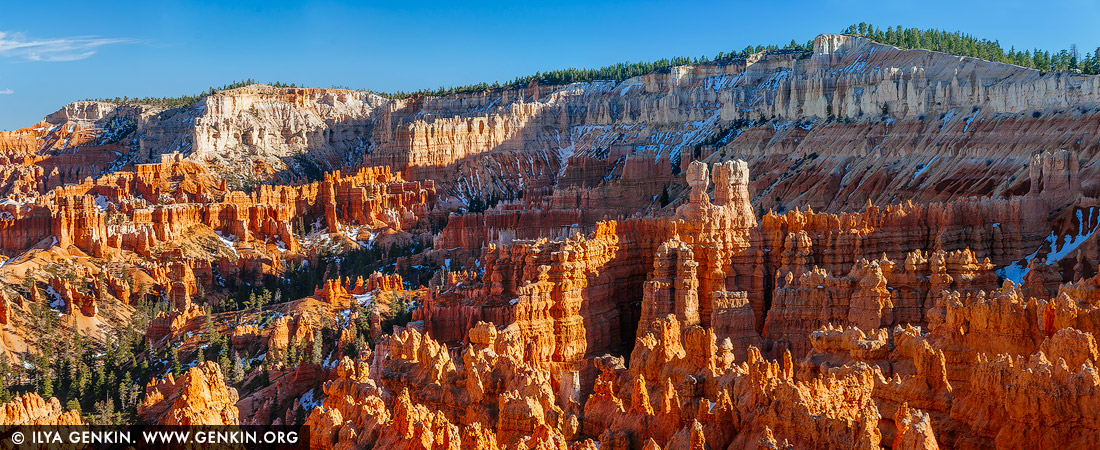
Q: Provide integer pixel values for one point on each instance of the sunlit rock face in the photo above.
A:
(31, 409)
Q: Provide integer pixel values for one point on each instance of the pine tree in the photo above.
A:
(105, 412)
(99, 381)
(5, 374)
(124, 390)
(81, 378)
(237, 373)
(174, 361)
(223, 363)
(299, 415)
(292, 355)
(316, 355)
(45, 385)
(1067, 60)
(208, 331)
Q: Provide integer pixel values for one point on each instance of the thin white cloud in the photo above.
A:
(18, 45)
(7, 91)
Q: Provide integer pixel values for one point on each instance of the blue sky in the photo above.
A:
(57, 52)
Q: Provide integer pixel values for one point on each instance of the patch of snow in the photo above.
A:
(857, 65)
(364, 300)
(971, 119)
(307, 401)
(228, 241)
(921, 168)
(947, 117)
(1070, 243)
(725, 81)
(101, 202)
(626, 87)
(1057, 247)
(57, 302)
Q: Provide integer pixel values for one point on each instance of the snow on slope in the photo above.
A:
(1056, 247)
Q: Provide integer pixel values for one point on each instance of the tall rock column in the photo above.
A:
(6, 312)
(1055, 176)
(731, 190)
(686, 285)
(871, 304)
(733, 319)
(716, 231)
(569, 333)
(328, 197)
(672, 287)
